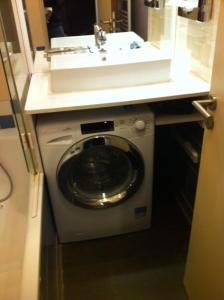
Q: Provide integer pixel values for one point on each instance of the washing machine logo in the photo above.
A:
(140, 212)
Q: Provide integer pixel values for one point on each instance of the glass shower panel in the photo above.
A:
(15, 46)
(6, 49)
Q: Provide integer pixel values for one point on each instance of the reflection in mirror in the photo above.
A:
(28, 27)
(72, 18)
(196, 10)
(157, 4)
(14, 46)
(78, 17)
(114, 16)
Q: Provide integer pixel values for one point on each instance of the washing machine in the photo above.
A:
(99, 169)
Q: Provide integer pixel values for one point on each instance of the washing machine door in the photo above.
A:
(100, 171)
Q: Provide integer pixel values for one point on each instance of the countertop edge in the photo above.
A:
(41, 100)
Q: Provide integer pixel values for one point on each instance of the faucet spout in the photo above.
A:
(100, 36)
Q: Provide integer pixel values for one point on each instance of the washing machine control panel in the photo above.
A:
(97, 127)
(137, 125)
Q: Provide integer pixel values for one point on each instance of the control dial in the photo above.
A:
(140, 125)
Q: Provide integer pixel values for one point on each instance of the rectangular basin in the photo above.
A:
(117, 66)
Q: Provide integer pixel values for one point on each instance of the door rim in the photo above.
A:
(126, 146)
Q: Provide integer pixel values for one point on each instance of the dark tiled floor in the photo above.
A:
(139, 266)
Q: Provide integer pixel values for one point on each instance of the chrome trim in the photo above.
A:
(129, 149)
(202, 106)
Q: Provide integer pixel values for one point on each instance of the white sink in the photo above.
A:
(120, 38)
(118, 66)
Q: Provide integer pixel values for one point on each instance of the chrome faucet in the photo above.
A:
(100, 36)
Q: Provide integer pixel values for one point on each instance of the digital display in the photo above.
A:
(97, 127)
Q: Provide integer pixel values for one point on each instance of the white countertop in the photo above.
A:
(42, 100)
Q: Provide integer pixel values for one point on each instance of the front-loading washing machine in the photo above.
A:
(99, 169)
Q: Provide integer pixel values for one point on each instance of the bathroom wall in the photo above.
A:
(193, 42)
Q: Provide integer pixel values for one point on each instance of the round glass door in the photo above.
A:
(100, 171)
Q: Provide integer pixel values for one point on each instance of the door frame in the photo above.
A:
(205, 262)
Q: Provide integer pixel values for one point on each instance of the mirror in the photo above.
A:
(198, 10)
(155, 25)
(78, 17)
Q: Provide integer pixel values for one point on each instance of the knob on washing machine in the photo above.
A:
(140, 125)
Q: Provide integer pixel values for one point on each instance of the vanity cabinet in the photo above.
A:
(177, 162)
(179, 136)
